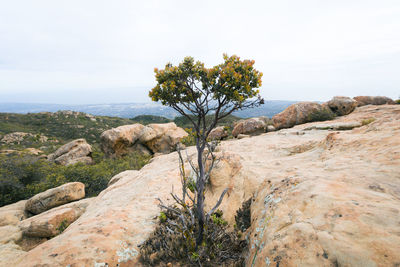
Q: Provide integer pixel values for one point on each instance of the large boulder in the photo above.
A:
(13, 214)
(341, 105)
(54, 221)
(373, 100)
(119, 141)
(299, 113)
(251, 126)
(153, 138)
(218, 133)
(73, 152)
(55, 197)
(162, 137)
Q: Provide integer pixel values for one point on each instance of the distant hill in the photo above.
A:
(130, 110)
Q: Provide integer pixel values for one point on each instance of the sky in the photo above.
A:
(94, 51)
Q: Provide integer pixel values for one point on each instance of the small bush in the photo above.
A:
(367, 121)
(397, 101)
(169, 244)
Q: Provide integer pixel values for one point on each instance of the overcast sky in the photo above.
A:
(93, 51)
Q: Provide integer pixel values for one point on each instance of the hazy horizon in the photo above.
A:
(96, 52)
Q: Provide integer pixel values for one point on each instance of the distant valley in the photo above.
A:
(130, 110)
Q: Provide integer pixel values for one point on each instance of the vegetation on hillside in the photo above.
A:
(24, 175)
(59, 127)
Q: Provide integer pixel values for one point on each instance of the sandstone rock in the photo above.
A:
(218, 133)
(33, 151)
(241, 136)
(162, 138)
(16, 137)
(271, 128)
(117, 177)
(373, 100)
(10, 233)
(298, 113)
(11, 254)
(84, 160)
(52, 222)
(332, 203)
(251, 126)
(334, 126)
(342, 105)
(118, 141)
(12, 214)
(55, 197)
(75, 151)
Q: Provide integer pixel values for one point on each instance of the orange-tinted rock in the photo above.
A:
(373, 100)
(55, 197)
(341, 105)
(298, 113)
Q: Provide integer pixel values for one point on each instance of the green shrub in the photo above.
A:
(367, 121)
(22, 176)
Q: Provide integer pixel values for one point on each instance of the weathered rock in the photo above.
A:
(16, 137)
(13, 214)
(33, 151)
(271, 128)
(241, 136)
(52, 222)
(373, 100)
(84, 160)
(119, 141)
(11, 254)
(162, 138)
(117, 177)
(251, 126)
(298, 113)
(331, 203)
(75, 151)
(335, 126)
(10, 233)
(55, 197)
(218, 133)
(342, 105)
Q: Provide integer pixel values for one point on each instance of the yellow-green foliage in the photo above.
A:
(63, 225)
(367, 121)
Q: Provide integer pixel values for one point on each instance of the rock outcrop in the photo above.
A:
(13, 214)
(342, 105)
(373, 100)
(299, 113)
(252, 126)
(218, 133)
(321, 198)
(16, 137)
(73, 152)
(153, 138)
(53, 221)
(119, 141)
(55, 197)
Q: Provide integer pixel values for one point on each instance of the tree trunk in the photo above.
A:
(200, 194)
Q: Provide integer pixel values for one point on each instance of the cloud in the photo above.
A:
(306, 49)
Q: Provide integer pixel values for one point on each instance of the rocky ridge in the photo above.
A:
(324, 194)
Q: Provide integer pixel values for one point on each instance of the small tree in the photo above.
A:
(195, 92)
